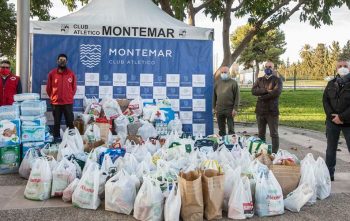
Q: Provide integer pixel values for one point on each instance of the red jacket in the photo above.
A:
(8, 89)
(61, 87)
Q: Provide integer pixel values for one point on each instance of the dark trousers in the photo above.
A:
(222, 118)
(272, 122)
(332, 133)
(57, 111)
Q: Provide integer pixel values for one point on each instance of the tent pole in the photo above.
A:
(22, 50)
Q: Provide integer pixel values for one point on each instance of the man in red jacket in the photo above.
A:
(10, 84)
(61, 87)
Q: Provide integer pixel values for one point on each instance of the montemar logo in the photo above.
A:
(90, 55)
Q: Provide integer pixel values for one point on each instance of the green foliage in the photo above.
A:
(345, 53)
(8, 29)
(301, 108)
(264, 46)
(316, 63)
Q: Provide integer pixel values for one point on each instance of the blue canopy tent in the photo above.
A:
(129, 48)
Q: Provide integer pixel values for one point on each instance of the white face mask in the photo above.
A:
(224, 76)
(343, 71)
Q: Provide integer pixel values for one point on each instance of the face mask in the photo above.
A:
(224, 76)
(5, 72)
(343, 71)
(268, 71)
(62, 64)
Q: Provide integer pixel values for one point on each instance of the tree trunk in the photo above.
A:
(227, 61)
(165, 5)
(256, 70)
(191, 13)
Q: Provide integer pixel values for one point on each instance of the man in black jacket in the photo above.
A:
(268, 89)
(336, 104)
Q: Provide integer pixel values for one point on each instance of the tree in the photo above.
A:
(345, 53)
(41, 8)
(264, 46)
(8, 29)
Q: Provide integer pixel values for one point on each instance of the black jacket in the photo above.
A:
(268, 92)
(336, 100)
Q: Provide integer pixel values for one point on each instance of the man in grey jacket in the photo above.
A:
(268, 89)
(225, 101)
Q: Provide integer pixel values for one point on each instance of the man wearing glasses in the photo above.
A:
(336, 104)
(10, 84)
(268, 89)
(61, 87)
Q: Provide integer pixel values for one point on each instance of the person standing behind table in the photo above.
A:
(10, 84)
(336, 104)
(225, 101)
(268, 89)
(61, 87)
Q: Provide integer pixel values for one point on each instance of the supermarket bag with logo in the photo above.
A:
(86, 194)
(241, 202)
(39, 183)
(268, 195)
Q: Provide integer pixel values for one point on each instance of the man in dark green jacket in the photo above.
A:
(336, 103)
(268, 89)
(225, 101)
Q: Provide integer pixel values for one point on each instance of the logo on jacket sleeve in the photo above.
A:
(90, 55)
(70, 80)
(12, 78)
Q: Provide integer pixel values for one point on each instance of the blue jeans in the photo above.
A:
(332, 134)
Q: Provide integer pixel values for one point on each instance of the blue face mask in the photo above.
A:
(224, 76)
(268, 71)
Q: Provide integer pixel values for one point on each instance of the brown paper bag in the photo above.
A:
(104, 131)
(213, 193)
(123, 103)
(287, 176)
(191, 196)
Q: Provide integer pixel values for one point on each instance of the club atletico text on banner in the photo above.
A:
(178, 69)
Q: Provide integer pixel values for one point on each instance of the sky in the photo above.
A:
(297, 33)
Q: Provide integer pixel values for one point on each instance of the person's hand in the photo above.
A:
(234, 113)
(336, 119)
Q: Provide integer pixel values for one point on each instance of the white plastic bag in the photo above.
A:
(62, 176)
(111, 108)
(307, 170)
(230, 177)
(149, 201)
(240, 205)
(323, 179)
(152, 148)
(148, 110)
(86, 194)
(298, 198)
(68, 192)
(27, 162)
(268, 195)
(120, 193)
(121, 125)
(92, 133)
(172, 205)
(146, 131)
(39, 183)
(136, 106)
(74, 135)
